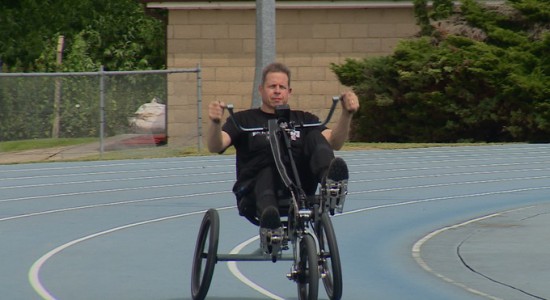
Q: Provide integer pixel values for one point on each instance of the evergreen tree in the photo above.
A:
(478, 72)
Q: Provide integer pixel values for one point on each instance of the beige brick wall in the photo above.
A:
(308, 41)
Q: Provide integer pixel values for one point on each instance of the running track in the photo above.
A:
(127, 229)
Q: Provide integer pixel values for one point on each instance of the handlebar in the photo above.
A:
(335, 100)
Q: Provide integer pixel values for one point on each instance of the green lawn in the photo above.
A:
(12, 146)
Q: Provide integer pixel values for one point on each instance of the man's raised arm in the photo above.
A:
(339, 134)
(216, 139)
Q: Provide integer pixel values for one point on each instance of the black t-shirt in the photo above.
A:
(253, 149)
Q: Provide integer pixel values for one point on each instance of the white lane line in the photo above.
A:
(445, 198)
(417, 248)
(108, 204)
(442, 161)
(74, 166)
(115, 190)
(436, 175)
(350, 155)
(232, 172)
(458, 183)
(238, 274)
(445, 167)
(34, 272)
(504, 149)
(230, 181)
(118, 172)
(112, 180)
(35, 282)
(232, 265)
(422, 201)
(442, 198)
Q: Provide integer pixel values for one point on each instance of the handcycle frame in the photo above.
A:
(307, 225)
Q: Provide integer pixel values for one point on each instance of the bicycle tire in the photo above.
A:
(308, 278)
(201, 275)
(329, 258)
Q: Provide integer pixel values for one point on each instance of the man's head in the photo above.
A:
(275, 87)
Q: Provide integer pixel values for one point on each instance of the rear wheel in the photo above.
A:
(205, 255)
(308, 270)
(329, 258)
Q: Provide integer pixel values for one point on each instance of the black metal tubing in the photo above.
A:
(335, 101)
(252, 257)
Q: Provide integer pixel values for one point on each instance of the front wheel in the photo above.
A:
(329, 258)
(308, 269)
(204, 262)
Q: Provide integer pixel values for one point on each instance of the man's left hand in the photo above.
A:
(350, 102)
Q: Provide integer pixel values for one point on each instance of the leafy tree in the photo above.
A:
(117, 34)
(481, 73)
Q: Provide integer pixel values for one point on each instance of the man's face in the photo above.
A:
(275, 91)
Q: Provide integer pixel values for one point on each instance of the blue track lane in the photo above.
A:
(127, 229)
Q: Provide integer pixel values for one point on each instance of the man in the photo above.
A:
(312, 148)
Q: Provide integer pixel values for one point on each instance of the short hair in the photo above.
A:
(275, 68)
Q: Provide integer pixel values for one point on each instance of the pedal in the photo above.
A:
(305, 214)
(335, 194)
(271, 241)
(293, 274)
(323, 271)
(336, 185)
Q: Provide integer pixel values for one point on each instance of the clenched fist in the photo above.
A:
(350, 102)
(215, 111)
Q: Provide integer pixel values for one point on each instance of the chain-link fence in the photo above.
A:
(120, 109)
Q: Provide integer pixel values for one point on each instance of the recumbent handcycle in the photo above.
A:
(306, 223)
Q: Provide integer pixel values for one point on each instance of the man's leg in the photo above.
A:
(266, 201)
(316, 158)
(271, 230)
(324, 168)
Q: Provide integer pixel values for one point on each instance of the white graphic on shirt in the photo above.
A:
(294, 135)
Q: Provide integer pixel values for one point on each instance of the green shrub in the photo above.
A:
(488, 80)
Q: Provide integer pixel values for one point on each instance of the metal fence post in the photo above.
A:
(199, 105)
(265, 44)
(101, 110)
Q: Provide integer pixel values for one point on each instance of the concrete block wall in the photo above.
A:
(308, 40)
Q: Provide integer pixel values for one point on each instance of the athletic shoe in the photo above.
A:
(271, 232)
(270, 218)
(335, 187)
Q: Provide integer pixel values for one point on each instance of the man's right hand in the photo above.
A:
(215, 111)
(216, 138)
